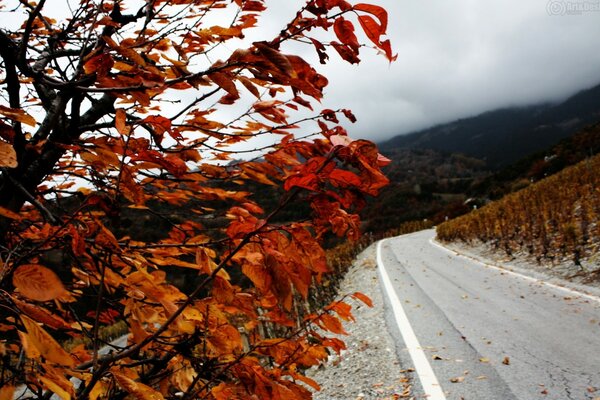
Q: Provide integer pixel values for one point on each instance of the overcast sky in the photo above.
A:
(456, 59)
(463, 57)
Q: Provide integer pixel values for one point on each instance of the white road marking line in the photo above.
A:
(431, 386)
(511, 272)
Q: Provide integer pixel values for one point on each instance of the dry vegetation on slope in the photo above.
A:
(552, 220)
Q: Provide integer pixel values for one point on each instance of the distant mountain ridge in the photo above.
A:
(503, 136)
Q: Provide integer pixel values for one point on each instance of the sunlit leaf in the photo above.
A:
(8, 155)
(17, 115)
(136, 389)
(45, 344)
(7, 392)
(37, 282)
(56, 382)
(364, 298)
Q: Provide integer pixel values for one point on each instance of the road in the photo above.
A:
(485, 333)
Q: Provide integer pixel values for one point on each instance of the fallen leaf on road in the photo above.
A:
(436, 357)
(484, 360)
(481, 377)
(506, 361)
(458, 379)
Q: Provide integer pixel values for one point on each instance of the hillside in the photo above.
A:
(568, 151)
(553, 219)
(501, 137)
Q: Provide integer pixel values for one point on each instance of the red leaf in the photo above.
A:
(345, 178)
(100, 64)
(346, 52)
(162, 125)
(323, 57)
(377, 11)
(253, 5)
(329, 115)
(310, 182)
(348, 114)
(372, 28)
(7, 132)
(344, 30)
(387, 49)
(278, 59)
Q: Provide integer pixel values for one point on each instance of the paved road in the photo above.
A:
(496, 335)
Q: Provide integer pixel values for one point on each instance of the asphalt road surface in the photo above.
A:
(486, 333)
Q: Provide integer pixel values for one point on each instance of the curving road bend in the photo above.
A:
(488, 334)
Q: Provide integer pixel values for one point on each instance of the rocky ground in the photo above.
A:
(369, 368)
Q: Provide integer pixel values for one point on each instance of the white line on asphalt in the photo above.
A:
(511, 272)
(431, 386)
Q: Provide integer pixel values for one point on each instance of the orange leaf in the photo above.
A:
(31, 351)
(45, 344)
(5, 212)
(225, 83)
(364, 298)
(37, 282)
(7, 392)
(121, 123)
(8, 155)
(17, 115)
(343, 310)
(57, 383)
(332, 324)
(249, 85)
(259, 276)
(136, 389)
(41, 314)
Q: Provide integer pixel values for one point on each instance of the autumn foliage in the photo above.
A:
(553, 219)
(120, 107)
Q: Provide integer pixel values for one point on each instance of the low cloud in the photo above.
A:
(461, 58)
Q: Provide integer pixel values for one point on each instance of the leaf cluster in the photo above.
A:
(122, 107)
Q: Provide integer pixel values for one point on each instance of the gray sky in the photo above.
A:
(463, 57)
(456, 59)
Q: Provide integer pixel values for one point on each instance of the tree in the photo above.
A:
(118, 110)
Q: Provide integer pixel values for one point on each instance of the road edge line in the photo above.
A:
(431, 386)
(575, 292)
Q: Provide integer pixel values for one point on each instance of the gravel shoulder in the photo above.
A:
(369, 368)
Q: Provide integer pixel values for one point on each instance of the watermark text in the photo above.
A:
(572, 7)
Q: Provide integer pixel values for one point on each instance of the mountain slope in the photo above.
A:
(501, 137)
